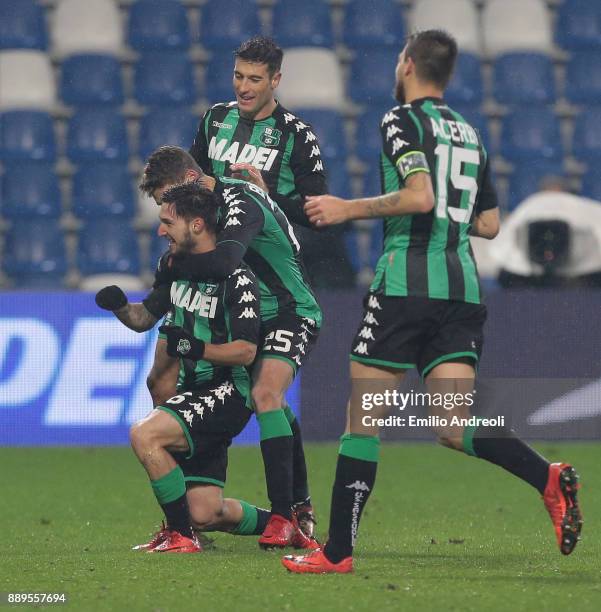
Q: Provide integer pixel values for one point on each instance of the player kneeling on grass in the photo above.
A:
(183, 443)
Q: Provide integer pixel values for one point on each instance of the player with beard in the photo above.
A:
(424, 308)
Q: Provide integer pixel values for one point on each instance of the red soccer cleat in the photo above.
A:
(300, 540)
(562, 504)
(157, 539)
(316, 563)
(303, 513)
(278, 532)
(175, 542)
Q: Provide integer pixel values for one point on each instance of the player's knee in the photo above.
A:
(142, 436)
(208, 516)
(265, 398)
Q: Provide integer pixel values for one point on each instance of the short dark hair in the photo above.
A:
(434, 53)
(167, 165)
(192, 200)
(261, 50)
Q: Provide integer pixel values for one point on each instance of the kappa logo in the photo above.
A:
(271, 137)
(373, 303)
(366, 333)
(224, 390)
(234, 210)
(288, 117)
(370, 319)
(300, 126)
(188, 416)
(388, 117)
(318, 166)
(315, 152)
(242, 281)
(361, 348)
(232, 221)
(392, 130)
(358, 485)
(310, 137)
(199, 409)
(398, 144)
(225, 126)
(248, 313)
(246, 297)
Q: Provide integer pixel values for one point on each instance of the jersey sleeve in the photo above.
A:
(242, 304)
(402, 144)
(200, 147)
(306, 163)
(487, 194)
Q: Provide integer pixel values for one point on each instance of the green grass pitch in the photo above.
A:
(441, 532)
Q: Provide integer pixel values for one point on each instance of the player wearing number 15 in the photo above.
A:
(424, 306)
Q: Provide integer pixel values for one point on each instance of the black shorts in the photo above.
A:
(209, 417)
(408, 332)
(288, 337)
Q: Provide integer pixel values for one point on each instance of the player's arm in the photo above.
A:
(137, 316)
(486, 223)
(240, 226)
(200, 147)
(241, 300)
(401, 144)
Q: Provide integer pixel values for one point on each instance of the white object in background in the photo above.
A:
(27, 81)
(87, 26)
(311, 78)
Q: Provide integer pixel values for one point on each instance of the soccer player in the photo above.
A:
(254, 228)
(213, 331)
(424, 308)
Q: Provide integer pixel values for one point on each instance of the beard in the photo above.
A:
(184, 246)
(399, 92)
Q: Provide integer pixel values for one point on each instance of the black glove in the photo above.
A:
(111, 298)
(165, 272)
(182, 344)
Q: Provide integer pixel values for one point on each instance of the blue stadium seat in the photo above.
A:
(328, 126)
(224, 25)
(339, 181)
(103, 189)
(219, 78)
(370, 182)
(35, 251)
(97, 134)
(476, 119)
(373, 75)
(175, 126)
(30, 189)
(591, 184)
(91, 80)
(466, 84)
(158, 25)
(578, 25)
(306, 24)
(27, 135)
(22, 25)
(524, 78)
(351, 245)
(587, 135)
(368, 139)
(531, 132)
(583, 77)
(378, 22)
(108, 245)
(526, 177)
(158, 245)
(163, 79)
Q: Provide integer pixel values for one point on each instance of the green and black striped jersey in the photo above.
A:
(216, 313)
(429, 255)
(282, 146)
(250, 219)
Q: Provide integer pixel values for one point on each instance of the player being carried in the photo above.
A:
(213, 331)
(424, 308)
(254, 228)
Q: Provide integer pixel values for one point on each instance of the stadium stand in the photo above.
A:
(524, 78)
(158, 25)
(93, 26)
(303, 25)
(379, 22)
(516, 25)
(163, 126)
(587, 135)
(579, 25)
(224, 25)
(23, 25)
(30, 190)
(466, 84)
(91, 79)
(459, 17)
(27, 135)
(218, 78)
(27, 80)
(591, 184)
(583, 77)
(310, 88)
(97, 134)
(103, 190)
(373, 75)
(525, 179)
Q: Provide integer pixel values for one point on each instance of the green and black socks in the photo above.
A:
(300, 485)
(503, 448)
(277, 451)
(170, 491)
(355, 478)
(253, 520)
